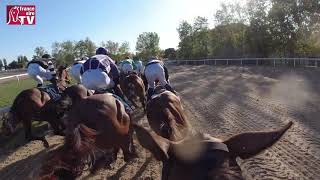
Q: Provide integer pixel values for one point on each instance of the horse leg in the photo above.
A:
(115, 153)
(143, 102)
(30, 137)
(57, 129)
(103, 161)
(127, 146)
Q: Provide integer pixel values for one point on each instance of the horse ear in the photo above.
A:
(157, 145)
(248, 144)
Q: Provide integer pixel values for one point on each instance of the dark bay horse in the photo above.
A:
(35, 104)
(97, 123)
(165, 115)
(133, 88)
(203, 157)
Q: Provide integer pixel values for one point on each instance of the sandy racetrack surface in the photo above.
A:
(222, 101)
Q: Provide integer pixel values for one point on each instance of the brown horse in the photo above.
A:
(133, 88)
(34, 104)
(95, 124)
(203, 157)
(165, 115)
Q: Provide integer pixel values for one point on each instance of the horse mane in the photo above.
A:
(80, 145)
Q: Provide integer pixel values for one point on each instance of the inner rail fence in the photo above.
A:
(274, 62)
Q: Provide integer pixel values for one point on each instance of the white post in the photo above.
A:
(294, 62)
(215, 62)
(18, 79)
(227, 62)
(274, 63)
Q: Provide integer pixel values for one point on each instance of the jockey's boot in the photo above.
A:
(149, 93)
(169, 88)
(39, 85)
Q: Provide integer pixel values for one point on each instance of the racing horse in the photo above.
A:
(203, 157)
(166, 116)
(37, 104)
(95, 124)
(133, 88)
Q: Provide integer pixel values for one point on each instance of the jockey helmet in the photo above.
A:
(101, 50)
(46, 56)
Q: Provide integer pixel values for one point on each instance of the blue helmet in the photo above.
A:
(101, 50)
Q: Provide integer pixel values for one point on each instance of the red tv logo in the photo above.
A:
(21, 15)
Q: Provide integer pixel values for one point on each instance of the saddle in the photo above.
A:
(157, 92)
(52, 90)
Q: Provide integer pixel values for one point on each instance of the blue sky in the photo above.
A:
(100, 20)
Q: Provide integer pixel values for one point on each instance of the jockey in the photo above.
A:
(155, 70)
(100, 73)
(127, 66)
(139, 66)
(40, 70)
(76, 67)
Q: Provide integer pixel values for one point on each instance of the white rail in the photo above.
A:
(13, 76)
(4, 110)
(305, 62)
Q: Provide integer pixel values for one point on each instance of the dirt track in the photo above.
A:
(224, 101)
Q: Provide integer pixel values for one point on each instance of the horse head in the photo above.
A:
(63, 78)
(202, 156)
(63, 74)
(9, 124)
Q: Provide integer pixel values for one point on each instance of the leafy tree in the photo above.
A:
(15, 65)
(148, 44)
(186, 40)
(39, 51)
(200, 38)
(64, 52)
(111, 46)
(261, 28)
(170, 53)
(22, 61)
(84, 48)
(124, 48)
(5, 63)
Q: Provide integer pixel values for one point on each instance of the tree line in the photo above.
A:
(260, 28)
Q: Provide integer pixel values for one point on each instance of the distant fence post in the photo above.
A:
(294, 62)
(274, 63)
